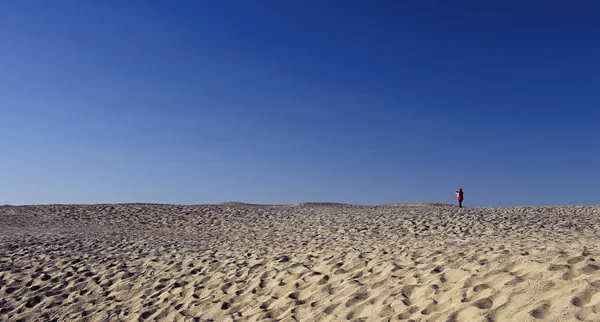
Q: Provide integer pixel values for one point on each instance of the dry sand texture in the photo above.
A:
(308, 262)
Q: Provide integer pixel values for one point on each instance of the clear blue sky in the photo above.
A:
(366, 102)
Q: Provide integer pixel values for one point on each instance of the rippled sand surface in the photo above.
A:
(307, 262)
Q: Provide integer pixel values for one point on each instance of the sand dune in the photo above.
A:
(306, 262)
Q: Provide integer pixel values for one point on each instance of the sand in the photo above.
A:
(307, 262)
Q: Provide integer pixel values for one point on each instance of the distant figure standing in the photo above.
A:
(459, 196)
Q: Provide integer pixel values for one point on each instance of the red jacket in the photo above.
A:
(459, 195)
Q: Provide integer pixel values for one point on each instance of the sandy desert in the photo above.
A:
(305, 262)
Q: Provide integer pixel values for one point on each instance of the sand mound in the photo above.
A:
(308, 262)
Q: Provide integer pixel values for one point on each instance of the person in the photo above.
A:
(459, 197)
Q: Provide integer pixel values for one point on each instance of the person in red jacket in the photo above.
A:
(459, 197)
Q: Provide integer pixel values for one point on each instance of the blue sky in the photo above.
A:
(289, 101)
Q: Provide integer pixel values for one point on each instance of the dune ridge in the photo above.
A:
(305, 262)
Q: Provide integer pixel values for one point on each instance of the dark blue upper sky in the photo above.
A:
(288, 101)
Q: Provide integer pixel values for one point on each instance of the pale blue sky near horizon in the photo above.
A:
(276, 102)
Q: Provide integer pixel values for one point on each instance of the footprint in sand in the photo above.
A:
(575, 260)
(356, 298)
(541, 312)
(480, 287)
(590, 268)
(484, 303)
(582, 299)
(33, 302)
